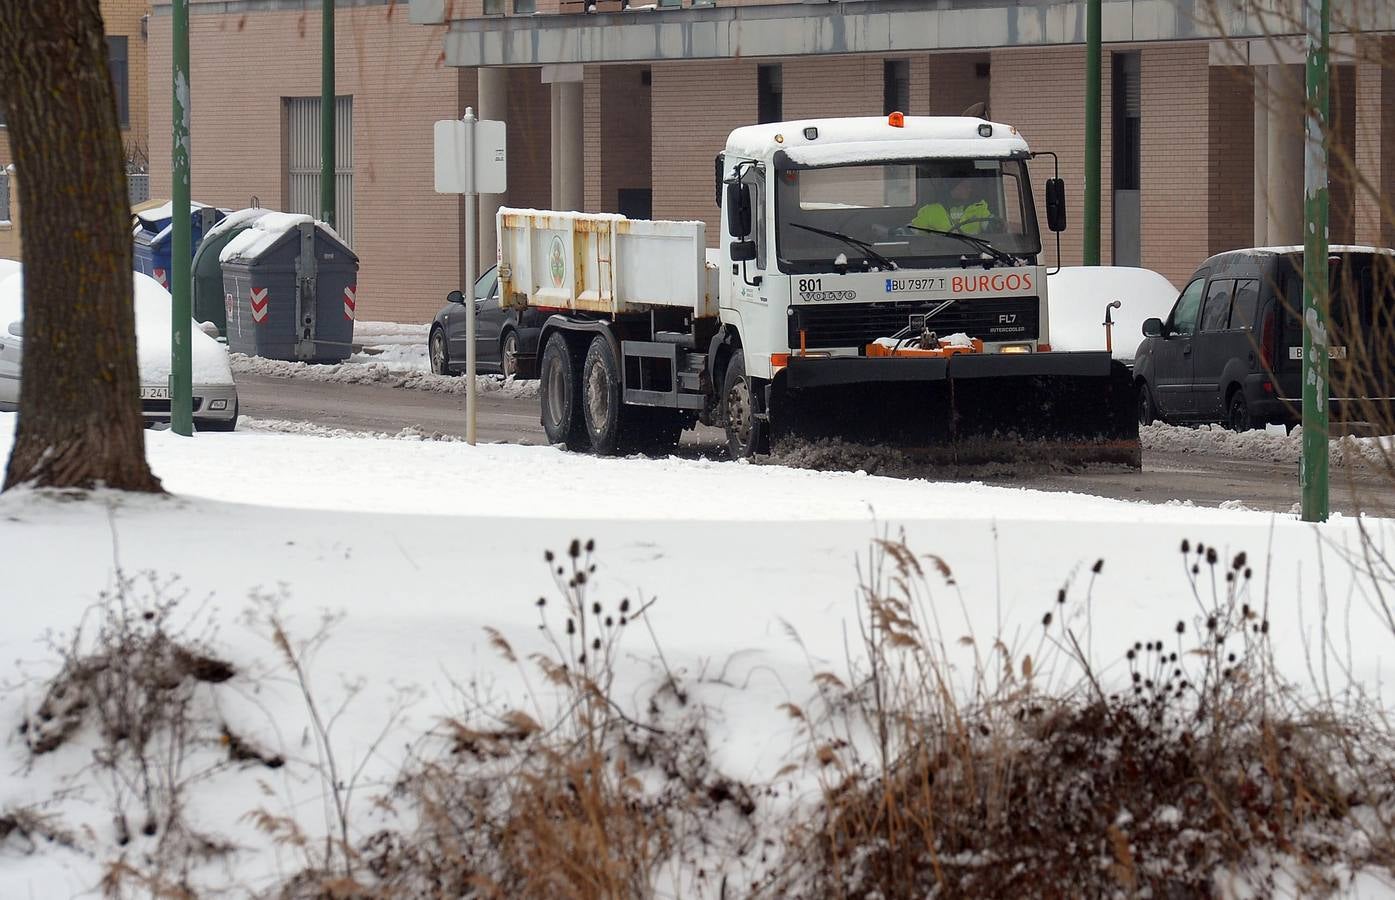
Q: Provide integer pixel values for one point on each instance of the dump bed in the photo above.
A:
(603, 263)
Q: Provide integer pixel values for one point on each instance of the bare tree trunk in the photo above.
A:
(80, 421)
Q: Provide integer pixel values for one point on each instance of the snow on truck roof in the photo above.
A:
(875, 138)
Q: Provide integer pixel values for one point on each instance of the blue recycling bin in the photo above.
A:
(154, 233)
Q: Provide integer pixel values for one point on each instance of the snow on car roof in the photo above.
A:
(1076, 298)
(873, 137)
(1298, 248)
(153, 320)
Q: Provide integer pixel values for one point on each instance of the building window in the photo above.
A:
(302, 124)
(525, 7)
(769, 94)
(1125, 132)
(120, 78)
(493, 7)
(896, 86)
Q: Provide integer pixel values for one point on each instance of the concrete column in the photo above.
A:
(568, 135)
(494, 104)
(571, 146)
(1285, 151)
(1261, 155)
(556, 144)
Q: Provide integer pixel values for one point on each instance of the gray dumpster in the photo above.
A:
(290, 289)
(209, 303)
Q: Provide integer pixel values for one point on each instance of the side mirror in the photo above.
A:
(17, 329)
(742, 251)
(738, 209)
(455, 297)
(1152, 327)
(1055, 204)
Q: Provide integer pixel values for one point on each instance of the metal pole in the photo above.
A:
(327, 114)
(1312, 473)
(471, 209)
(181, 316)
(1092, 134)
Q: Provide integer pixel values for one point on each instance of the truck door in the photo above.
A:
(1172, 356)
(1212, 349)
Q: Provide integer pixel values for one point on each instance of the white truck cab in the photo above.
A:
(858, 226)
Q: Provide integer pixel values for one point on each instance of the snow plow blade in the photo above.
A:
(1062, 410)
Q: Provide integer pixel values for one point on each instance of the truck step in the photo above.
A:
(679, 338)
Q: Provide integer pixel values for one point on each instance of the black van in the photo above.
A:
(1231, 350)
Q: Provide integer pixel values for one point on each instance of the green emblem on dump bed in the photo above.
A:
(556, 261)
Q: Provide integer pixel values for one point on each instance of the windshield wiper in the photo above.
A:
(851, 241)
(997, 253)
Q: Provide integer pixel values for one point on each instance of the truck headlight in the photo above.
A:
(1015, 348)
(218, 405)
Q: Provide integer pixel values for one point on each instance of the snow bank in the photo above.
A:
(422, 544)
(1272, 445)
(1077, 296)
(354, 372)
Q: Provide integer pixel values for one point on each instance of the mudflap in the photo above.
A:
(1058, 410)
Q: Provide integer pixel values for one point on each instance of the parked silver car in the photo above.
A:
(215, 392)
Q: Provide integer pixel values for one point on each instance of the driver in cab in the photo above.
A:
(963, 210)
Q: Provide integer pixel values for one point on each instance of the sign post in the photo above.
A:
(471, 159)
(1313, 470)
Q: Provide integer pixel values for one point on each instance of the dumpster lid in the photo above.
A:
(157, 218)
(235, 219)
(266, 232)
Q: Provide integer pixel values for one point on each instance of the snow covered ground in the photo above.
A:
(421, 544)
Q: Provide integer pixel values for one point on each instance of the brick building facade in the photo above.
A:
(1184, 158)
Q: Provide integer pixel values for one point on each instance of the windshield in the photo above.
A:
(894, 210)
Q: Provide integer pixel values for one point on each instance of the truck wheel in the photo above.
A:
(611, 425)
(560, 395)
(746, 435)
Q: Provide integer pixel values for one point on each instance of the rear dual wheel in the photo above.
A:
(560, 395)
(583, 403)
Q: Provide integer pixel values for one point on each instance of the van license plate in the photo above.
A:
(1332, 352)
(155, 393)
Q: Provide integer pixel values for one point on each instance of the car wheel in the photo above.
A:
(560, 395)
(1238, 413)
(1147, 412)
(746, 434)
(436, 349)
(508, 354)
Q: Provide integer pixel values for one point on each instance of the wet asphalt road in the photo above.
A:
(1203, 479)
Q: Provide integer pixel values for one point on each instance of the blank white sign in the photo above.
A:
(491, 158)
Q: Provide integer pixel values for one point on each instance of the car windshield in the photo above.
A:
(897, 209)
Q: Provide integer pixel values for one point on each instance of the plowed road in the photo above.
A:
(1196, 477)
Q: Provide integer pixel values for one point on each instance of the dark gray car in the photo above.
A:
(506, 342)
(1231, 350)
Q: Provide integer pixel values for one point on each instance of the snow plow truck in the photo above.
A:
(877, 281)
